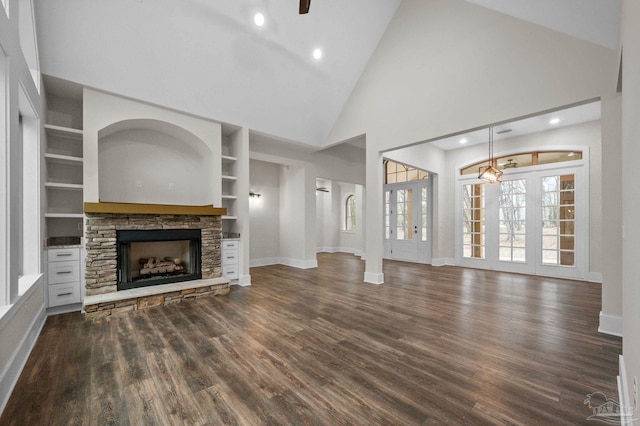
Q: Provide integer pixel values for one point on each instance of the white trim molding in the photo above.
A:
(266, 261)
(442, 261)
(610, 324)
(374, 278)
(299, 263)
(339, 250)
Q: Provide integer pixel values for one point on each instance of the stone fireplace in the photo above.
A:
(117, 235)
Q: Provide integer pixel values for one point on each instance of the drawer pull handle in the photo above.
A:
(65, 294)
(64, 272)
(64, 254)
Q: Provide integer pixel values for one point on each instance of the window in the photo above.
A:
(558, 219)
(28, 247)
(525, 159)
(350, 213)
(398, 173)
(513, 221)
(473, 223)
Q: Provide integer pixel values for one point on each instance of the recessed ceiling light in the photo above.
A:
(571, 154)
(554, 121)
(258, 18)
(317, 54)
(463, 141)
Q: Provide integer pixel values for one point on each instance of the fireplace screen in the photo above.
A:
(152, 257)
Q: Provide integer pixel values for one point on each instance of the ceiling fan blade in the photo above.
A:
(304, 6)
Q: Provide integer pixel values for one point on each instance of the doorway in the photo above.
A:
(407, 214)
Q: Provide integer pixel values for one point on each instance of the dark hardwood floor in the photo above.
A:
(430, 346)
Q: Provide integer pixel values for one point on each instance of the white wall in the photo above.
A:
(342, 163)
(142, 165)
(448, 65)
(265, 213)
(102, 111)
(297, 217)
(611, 314)
(630, 193)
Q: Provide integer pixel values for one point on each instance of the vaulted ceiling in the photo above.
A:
(209, 58)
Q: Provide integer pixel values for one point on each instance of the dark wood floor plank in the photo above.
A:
(319, 346)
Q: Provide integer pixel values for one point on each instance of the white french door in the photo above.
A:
(407, 226)
(533, 222)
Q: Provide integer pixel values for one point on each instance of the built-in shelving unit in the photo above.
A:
(229, 179)
(63, 157)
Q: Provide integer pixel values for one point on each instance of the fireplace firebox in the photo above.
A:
(159, 256)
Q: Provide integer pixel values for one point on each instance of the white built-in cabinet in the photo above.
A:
(63, 276)
(62, 194)
(230, 258)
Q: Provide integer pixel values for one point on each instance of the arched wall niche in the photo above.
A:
(153, 161)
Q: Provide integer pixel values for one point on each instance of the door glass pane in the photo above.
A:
(404, 217)
(424, 213)
(387, 215)
(558, 220)
(473, 214)
(512, 201)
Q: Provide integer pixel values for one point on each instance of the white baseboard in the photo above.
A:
(264, 262)
(374, 278)
(442, 261)
(325, 250)
(244, 280)
(338, 250)
(299, 263)
(610, 324)
(18, 359)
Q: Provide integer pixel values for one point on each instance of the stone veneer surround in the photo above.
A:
(101, 247)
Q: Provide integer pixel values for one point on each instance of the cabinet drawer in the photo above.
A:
(64, 294)
(63, 272)
(230, 271)
(61, 255)
(229, 257)
(229, 245)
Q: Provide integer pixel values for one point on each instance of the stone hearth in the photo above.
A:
(101, 261)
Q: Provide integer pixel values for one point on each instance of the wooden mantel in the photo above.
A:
(169, 209)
